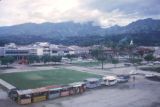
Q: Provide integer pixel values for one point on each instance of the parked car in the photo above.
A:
(156, 62)
(150, 64)
(123, 78)
(92, 83)
(149, 75)
(133, 73)
(109, 80)
(153, 77)
(144, 62)
(127, 64)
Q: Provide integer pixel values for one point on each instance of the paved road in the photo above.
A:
(113, 71)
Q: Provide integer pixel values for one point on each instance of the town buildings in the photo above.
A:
(40, 49)
(45, 48)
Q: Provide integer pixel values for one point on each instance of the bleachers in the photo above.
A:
(6, 85)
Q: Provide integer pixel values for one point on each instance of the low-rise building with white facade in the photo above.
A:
(78, 50)
(156, 53)
(42, 48)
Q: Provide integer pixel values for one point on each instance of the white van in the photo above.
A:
(109, 80)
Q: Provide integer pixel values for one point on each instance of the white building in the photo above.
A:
(157, 52)
(59, 50)
(16, 52)
(78, 50)
(40, 49)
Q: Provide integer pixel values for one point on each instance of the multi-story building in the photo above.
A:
(16, 52)
(78, 50)
(40, 49)
(59, 50)
(13, 50)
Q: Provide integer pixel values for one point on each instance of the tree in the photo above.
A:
(56, 58)
(141, 53)
(135, 61)
(33, 58)
(149, 57)
(0, 60)
(115, 61)
(7, 60)
(69, 56)
(46, 58)
(99, 54)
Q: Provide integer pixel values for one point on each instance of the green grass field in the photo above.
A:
(35, 79)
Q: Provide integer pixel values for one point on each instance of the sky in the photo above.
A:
(105, 13)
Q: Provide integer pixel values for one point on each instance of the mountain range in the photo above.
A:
(77, 33)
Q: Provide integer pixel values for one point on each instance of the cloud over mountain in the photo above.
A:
(103, 12)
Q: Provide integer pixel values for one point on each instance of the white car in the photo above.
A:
(132, 73)
(149, 75)
(110, 80)
(150, 64)
(156, 62)
(123, 78)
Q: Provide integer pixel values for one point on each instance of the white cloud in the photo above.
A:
(38, 11)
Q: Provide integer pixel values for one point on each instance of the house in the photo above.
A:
(143, 50)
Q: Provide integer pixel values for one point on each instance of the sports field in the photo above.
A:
(35, 79)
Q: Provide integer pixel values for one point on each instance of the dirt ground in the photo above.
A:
(139, 93)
